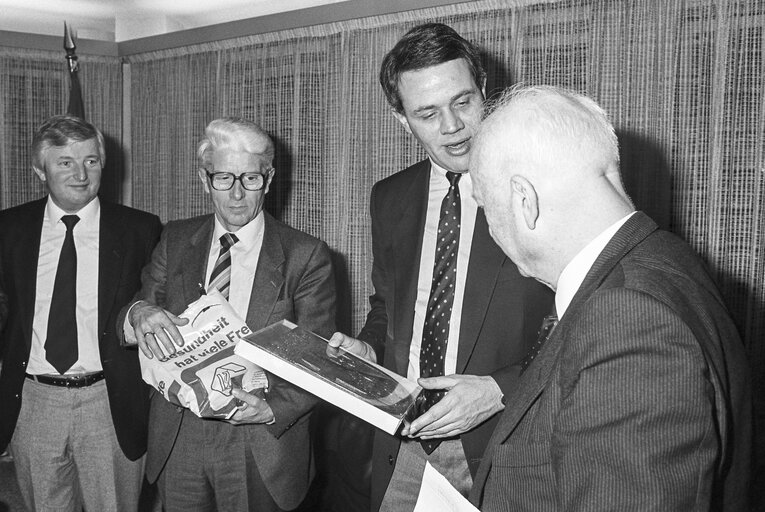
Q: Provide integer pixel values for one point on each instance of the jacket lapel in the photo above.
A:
(195, 261)
(483, 269)
(269, 278)
(27, 253)
(530, 387)
(407, 248)
(110, 255)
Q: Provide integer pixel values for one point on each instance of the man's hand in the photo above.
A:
(154, 325)
(469, 401)
(252, 410)
(353, 346)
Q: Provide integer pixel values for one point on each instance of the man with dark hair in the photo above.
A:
(461, 317)
(74, 407)
(638, 398)
(260, 459)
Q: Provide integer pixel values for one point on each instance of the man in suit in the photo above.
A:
(260, 459)
(639, 398)
(434, 82)
(74, 407)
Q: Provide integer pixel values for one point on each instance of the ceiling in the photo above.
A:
(124, 20)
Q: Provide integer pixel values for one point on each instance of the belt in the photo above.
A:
(68, 381)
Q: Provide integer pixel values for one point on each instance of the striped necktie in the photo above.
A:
(221, 274)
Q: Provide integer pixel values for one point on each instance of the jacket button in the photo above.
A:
(24, 363)
(390, 459)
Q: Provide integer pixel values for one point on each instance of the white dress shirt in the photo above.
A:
(439, 185)
(85, 234)
(573, 275)
(244, 261)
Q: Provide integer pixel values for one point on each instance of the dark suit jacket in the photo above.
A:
(294, 281)
(501, 310)
(640, 398)
(126, 239)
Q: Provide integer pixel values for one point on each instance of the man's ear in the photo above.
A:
(39, 172)
(203, 178)
(527, 199)
(269, 177)
(402, 119)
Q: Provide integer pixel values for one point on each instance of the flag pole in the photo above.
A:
(75, 107)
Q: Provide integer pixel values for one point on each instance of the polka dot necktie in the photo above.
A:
(61, 349)
(221, 274)
(548, 324)
(435, 331)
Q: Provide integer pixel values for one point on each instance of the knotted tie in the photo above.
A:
(221, 274)
(548, 324)
(435, 333)
(61, 338)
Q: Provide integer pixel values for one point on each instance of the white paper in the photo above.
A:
(437, 494)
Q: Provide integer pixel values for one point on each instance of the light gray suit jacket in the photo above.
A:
(294, 281)
(640, 399)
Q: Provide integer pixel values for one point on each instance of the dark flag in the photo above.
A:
(75, 108)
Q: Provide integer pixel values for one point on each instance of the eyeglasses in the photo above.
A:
(252, 181)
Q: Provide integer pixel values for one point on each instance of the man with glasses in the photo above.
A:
(260, 459)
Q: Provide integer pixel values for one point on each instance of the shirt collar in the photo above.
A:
(88, 214)
(573, 275)
(439, 173)
(247, 234)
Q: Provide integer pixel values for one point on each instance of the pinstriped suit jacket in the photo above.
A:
(639, 400)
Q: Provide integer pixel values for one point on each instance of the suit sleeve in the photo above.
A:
(637, 416)
(3, 311)
(375, 328)
(314, 306)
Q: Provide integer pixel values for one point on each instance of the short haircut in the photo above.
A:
(566, 114)
(424, 46)
(236, 134)
(59, 131)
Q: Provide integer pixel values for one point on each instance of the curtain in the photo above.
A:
(34, 85)
(682, 81)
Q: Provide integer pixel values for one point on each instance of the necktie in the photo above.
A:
(221, 274)
(61, 339)
(435, 332)
(548, 324)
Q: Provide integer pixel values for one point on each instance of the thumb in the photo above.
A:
(336, 340)
(244, 396)
(176, 319)
(436, 382)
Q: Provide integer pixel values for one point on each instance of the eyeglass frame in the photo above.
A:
(239, 178)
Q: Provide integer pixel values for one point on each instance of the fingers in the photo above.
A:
(251, 410)
(156, 329)
(446, 383)
(352, 345)
(341, 340)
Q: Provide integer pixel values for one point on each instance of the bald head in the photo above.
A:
(546, 170)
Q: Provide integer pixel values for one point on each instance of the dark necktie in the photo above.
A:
(548, 324)
(61, 339)
(221, 274)
(435, 333)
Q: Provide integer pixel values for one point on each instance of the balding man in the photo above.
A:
(639, 398)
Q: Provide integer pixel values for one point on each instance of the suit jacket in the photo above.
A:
(640, 398)
(126, 239)
(500, 315)
(294, 281)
